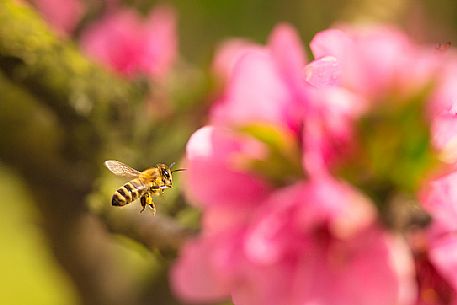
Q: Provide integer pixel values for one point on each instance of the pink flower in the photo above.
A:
(212, 173)
(255, 70)
(256, 77)
(229, 54)
(63, 15)
(310, 243)
(272, 85)
(276, 228)
(376, 60)
(437, 262)
(131, 46)
(382, 65)
(393, 81)
(328, 133)
(161, 41)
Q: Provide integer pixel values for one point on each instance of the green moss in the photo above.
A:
(52, 68)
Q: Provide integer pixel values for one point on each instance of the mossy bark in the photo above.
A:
(59, 113)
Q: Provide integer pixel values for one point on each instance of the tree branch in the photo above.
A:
(58, 149)
(54, 70)
(153, 232)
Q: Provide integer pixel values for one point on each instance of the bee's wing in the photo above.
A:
(120, 169)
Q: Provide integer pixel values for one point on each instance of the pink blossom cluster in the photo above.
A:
(119, 38)
(131, 45)
(296, 162)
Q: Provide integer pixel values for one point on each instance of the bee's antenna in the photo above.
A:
(178, 170)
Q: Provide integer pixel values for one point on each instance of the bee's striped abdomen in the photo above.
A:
(129, 192)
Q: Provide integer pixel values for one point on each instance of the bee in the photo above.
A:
(145, 184)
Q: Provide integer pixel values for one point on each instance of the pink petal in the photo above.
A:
(160, 41)
(333, 42)
(220, 218)
(371, 58)
(358, 271)
(228, 55)
(287, 51)
(443, 254)
(439, 198)
(378, 271)
(371, 267)
(287, 48)
(63, 15)
(203, 272)
(266, 285)
(323, 72)
(115, 41)
(281, 226)
(255, 92)
(444, 112)
(127, 44)
(271, 234)
(437, 267)
(212, 177)
(328, 129)
(444, 136)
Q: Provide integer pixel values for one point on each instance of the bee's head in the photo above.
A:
(165, 173)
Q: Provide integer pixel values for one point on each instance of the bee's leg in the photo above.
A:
(153, 207)
(156, 191)
(146, 200)
(143, 203)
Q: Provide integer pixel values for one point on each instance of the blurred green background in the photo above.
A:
(30, 273)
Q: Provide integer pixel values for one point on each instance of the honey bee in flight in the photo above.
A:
(152, 181)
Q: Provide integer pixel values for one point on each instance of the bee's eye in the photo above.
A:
(166, 174)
